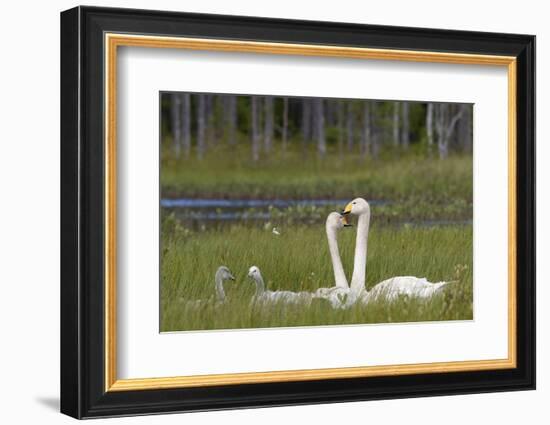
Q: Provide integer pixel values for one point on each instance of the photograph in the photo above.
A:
(309, 211)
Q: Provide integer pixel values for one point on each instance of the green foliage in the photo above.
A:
(243, 114)
(331, 136)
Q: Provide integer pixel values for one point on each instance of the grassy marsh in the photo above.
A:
(298, 260)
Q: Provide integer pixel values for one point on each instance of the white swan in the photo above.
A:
(264, 296)
(389, 289)
(222, 274)
(337, 294)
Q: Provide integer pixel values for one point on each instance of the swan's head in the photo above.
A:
(357, 207)
(254, 272)
(336, 221)
(223, 273)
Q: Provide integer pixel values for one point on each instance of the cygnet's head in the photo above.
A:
(224, 273)
(254, 272)
(336, 221)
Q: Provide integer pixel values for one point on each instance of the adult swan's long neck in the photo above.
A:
(339, 275)
(360, 259)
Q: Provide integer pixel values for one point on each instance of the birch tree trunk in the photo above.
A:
(285, 123)
(186, 124)
(375, 130)
(375, 145)
(319, 123)
(268, 124)
(201, 125)
(231, 119)
(255, 128)
(464, 131)
(395, 123)
(176, 123)
(349, 126)
(469, 112)
(429, 126)
(330, 112)
(366, 133)
(405, 128)
(340, 119)
(210, 139)
(445, 123)
(306, 122)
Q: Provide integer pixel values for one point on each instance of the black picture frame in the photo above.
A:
(82, 214)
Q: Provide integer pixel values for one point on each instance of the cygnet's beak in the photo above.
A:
(346, 222)
(231, 277)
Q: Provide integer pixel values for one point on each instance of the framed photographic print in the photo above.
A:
(261, 212)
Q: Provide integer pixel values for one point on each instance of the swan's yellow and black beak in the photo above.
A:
(347, 210)
(346, 221)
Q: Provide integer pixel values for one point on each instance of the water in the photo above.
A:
(196, 212)
(434, 223)
(255, 203)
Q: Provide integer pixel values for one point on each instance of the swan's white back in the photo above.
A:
(287, 297)
(414, 287)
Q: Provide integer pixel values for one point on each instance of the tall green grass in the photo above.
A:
(298, 260)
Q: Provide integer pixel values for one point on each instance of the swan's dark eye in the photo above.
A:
(353, 203)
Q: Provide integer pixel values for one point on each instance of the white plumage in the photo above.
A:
(337, 294)
(395, 287)
(389, 289)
